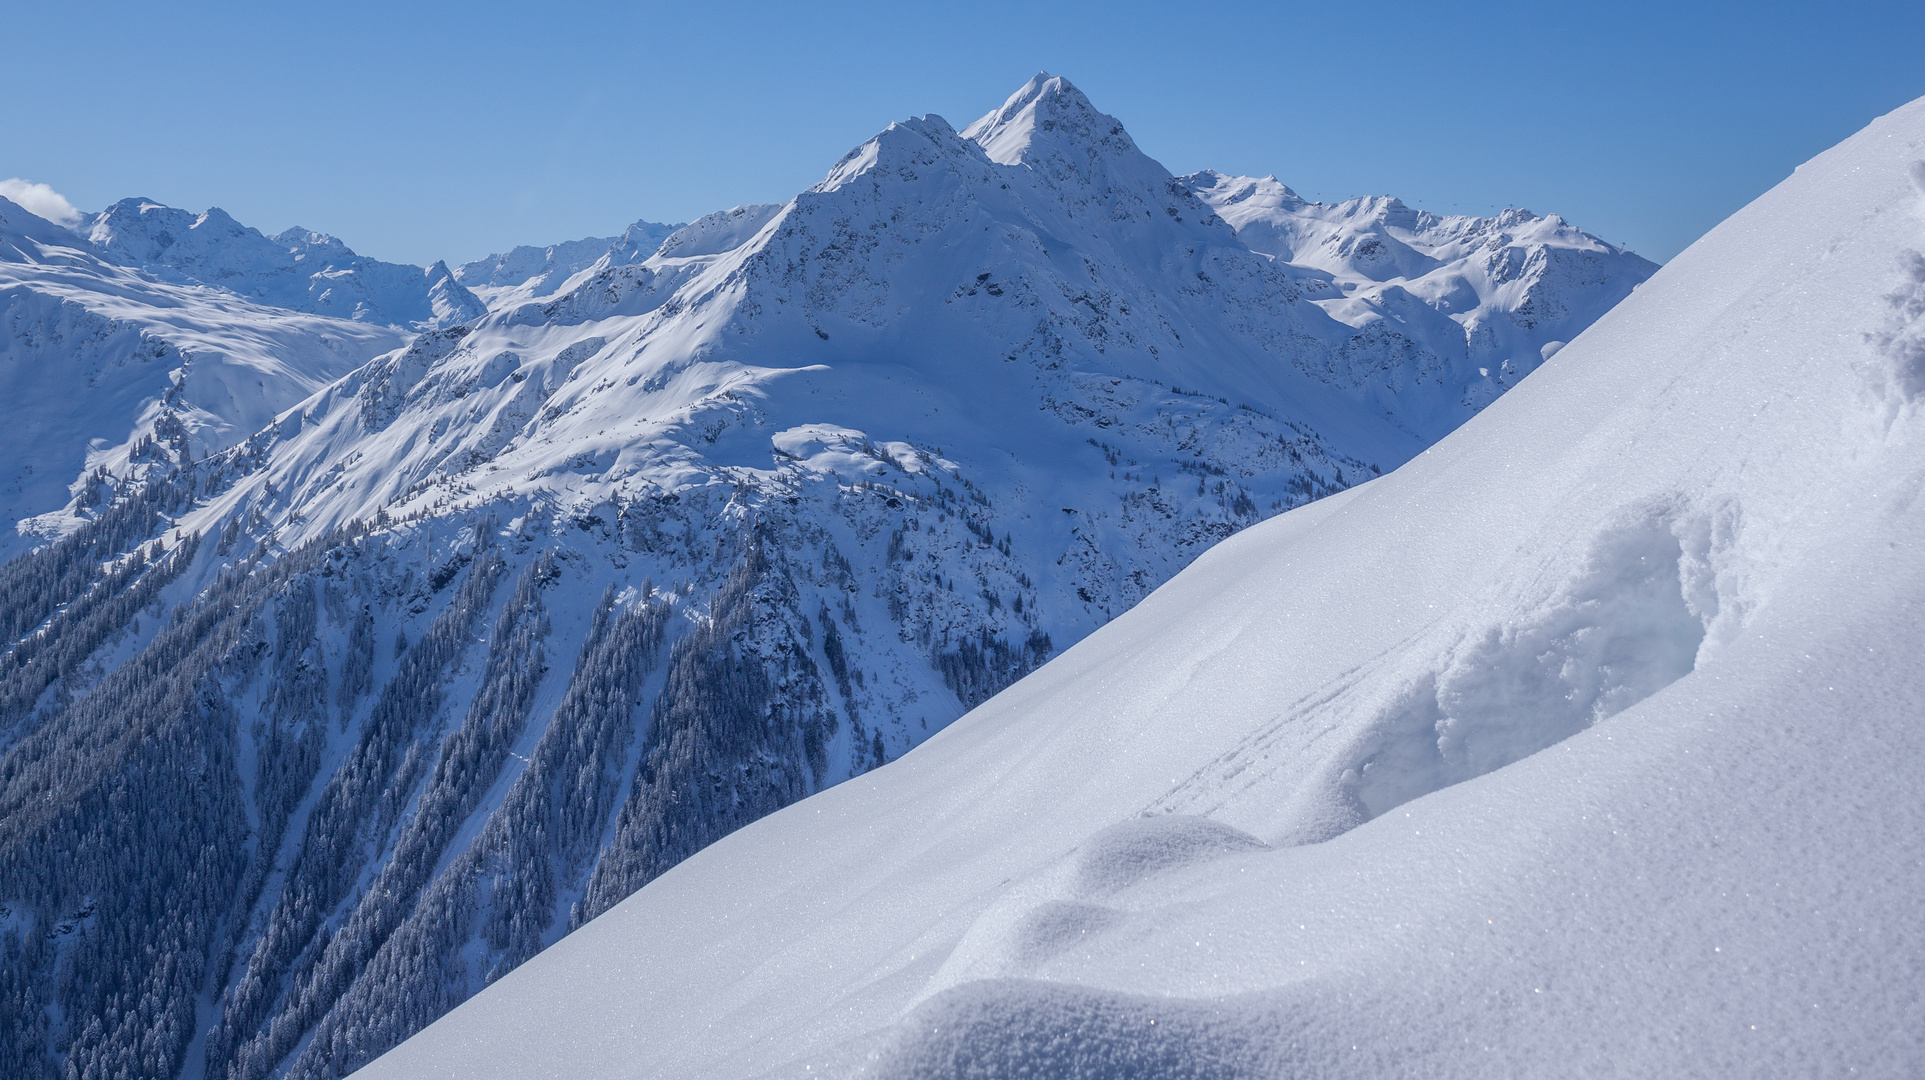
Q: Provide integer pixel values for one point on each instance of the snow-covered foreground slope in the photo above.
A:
(105, 368)
(1586, 743)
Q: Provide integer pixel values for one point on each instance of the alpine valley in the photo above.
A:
(368, 627)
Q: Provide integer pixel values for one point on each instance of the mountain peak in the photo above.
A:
(837, 405)
(1047, 114)
(1226, 194)
(19, 225)
(294, 269)
(639, 241)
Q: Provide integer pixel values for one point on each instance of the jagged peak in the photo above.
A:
(1047, 112)
(450, 302)
(911, 137)
(100, 226)
(637, 242)
(141, 228)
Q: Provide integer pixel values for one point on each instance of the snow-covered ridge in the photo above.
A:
(295, 269)
(99, 360)
(718, 233)
(1487, 298)
(514, 277)
(1586, 743)
(1027, 279)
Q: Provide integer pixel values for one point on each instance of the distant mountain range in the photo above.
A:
(294, 269)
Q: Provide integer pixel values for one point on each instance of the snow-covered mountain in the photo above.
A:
(294, 269)
(107, 370)
(1481, 301)
(485, 634)
(145, 333)
(1586, 743)
(525, 273)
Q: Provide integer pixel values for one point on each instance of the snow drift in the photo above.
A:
(1586, 742)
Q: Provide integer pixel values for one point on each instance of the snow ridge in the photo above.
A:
(295, 269)
(1482, 301)
(103, 362)
(525, 273)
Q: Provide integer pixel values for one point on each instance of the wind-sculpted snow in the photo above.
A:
(1584, 743)
(531, 609)
(1576, 647)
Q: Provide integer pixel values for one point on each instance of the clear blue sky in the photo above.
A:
(417, 131)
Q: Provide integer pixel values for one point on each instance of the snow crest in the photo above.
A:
(1625, 615)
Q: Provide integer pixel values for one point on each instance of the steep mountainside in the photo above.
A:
(1585, 744)
(296, 269)
(492, 630)
(106, 370)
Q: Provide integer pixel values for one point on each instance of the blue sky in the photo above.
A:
(417, 131)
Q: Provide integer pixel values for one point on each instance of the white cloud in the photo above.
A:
(41, 200)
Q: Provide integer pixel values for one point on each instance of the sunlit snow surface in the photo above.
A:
(1279, 819)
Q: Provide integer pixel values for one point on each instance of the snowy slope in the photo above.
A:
(1584, 744)
(295, 269)
(1482, 301)
(95, 358)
